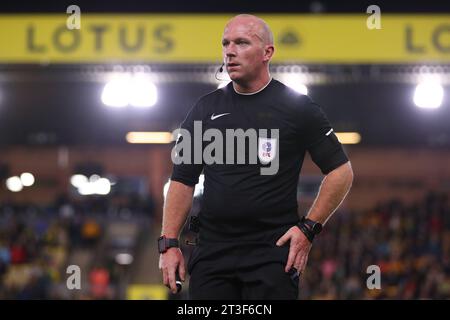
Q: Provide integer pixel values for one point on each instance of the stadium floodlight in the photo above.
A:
(94, 185)
(124, 258)
(14, 184)
(429, 94)
(223, 84)
(198, 191)
(102, 186)
(78, 180)
(27, 179)
(348, 137)
(295, 82)
(137, 90)
(143, 92)
(86, 189)
(151, 137)
(116, 92)
(93, 178)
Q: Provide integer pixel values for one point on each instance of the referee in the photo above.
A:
(252, 243)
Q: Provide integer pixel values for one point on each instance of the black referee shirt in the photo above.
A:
(239, 203)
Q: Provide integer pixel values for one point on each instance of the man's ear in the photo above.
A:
(268, 52)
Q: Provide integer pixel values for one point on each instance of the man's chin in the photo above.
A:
(234, 76)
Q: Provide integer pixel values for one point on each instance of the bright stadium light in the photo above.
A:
(94, 185)
(155, 137)
(137, 90)
(27, 179)
(14, 184)
(116, 92)
(198, 187)
(223, 84)
(78, 180)
(295, 82)
(348, 137)
(300, 88)
(198, 191)
(429, 94)
(124, 258)
(102, 186)
(143, 92)
(94, 178)
(86, 189)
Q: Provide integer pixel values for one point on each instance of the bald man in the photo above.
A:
(247, 48)
(252, 242)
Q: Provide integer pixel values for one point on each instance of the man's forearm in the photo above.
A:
(176, 208)
(332, 192)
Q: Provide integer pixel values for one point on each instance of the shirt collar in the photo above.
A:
(252, 93)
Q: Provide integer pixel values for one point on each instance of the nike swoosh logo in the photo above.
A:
(213, 117)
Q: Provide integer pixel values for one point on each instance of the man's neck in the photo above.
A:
(252, 87)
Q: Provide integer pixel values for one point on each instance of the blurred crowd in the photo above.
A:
(409, 244)
(37, 244)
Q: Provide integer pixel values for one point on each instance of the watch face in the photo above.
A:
(162, 245)
(317, 228)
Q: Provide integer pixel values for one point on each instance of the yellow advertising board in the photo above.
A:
(147, 292)
(153, 38)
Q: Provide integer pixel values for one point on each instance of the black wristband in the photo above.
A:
(309, 228)
(166, 243)
(306, 231)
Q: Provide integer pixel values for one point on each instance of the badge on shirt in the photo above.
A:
(267, 149)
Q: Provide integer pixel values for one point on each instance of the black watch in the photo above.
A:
(166, 243)
(310, 228)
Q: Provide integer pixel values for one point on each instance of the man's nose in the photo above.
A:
(230, 50)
